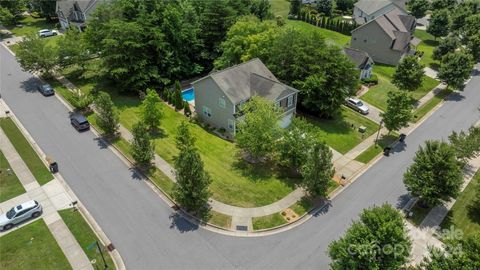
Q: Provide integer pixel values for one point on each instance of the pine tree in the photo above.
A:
(151, 110)
(177, 97)
(186, 109)
(107, 115)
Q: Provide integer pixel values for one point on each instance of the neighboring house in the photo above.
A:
(308, 2)
(388, 38)
(75, 12)
(367, 10)
(218, 96)
(363, 62)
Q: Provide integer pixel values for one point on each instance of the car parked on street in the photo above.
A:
(20, 213)
(357, 105)
(79, 122)
(47, 33)
(46, 89)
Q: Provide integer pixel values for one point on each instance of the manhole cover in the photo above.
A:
(242, 228)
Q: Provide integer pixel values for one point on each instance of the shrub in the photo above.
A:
(372, 80)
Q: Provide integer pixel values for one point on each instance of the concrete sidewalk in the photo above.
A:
(52, 197)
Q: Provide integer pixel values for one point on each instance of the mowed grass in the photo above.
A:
(280, 7)
(267, 222)
(420, 112)
(465, 213)
(10, 186)
(373, 151)
(220, 219)
(30, 26)
(85, 236)
(26, 152)
(378, 94)
(330, 36)
(339, 133)
(427, 46)
(31, 247)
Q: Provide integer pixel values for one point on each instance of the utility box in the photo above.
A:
(362, 129)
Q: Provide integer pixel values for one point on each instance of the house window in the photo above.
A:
(290, 101)
(277, 104)
(231, 124)
(221, 103)
(207, 112)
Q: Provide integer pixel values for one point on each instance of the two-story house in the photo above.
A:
(75, 12)
(219, 96)
(367, 10)
(388, 38)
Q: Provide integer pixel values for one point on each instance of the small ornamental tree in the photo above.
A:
(34, 55)
(184, 138)
(293, 146)
(466, 144)
(418, 8)
(295, 6)
(409, 74)
(107, 115)
(177, 99)
(151, 110)
(379, 240)
(439, 23)
(258, 130)
(446, 45)
(325, 7)
(455, 69)
(435, 174)
(142, 148)
(399, 110)
(191, 188)
(80, 101)
(186, 109)
(317, 170)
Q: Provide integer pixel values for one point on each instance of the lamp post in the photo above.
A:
(378, 133)
(101, 253)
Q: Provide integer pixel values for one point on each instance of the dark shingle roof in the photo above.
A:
(358, 57)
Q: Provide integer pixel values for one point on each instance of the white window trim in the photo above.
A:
(290, 101)
(206, 111)
(222, 103)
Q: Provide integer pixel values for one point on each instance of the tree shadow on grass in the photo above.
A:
(431, 42)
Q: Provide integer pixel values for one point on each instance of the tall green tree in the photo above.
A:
(151, 110)
(446, 45)
(442, 4)
(461, 11)
(72, 49)
(184, 138)
(177, 96)
(143, 148)
(460, 253)
(317, 170)
(261, 9)
(35, 55)
(107, 115)
(6, 17)
(46, 9)
(295, 6)
(191, 188)
(379, 240)
(345, 5)
(13, 9)
(296, 141)
(455, 69)
(258, 130)
(471, 35)
(439, 25)
(409, 74)
(435, 174)
(325, 7)
(466, 144)
(399, 110)
(418, 8)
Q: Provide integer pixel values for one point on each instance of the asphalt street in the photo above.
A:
(145, 230)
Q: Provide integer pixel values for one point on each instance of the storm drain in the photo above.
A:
(242, 228)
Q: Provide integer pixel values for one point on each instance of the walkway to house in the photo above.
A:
(53, 197)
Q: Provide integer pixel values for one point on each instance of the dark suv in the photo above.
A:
(79, 122)
(46, 89)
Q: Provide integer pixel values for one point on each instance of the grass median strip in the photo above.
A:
(220, 219)
(31, 247)
(376, 149)
(85, 237)
(269, 221)
(26, 152)
(10, 186)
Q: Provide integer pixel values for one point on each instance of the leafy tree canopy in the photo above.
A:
(455, 69)
(399, 110)
(409, 74)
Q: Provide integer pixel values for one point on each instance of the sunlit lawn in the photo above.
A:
(280, 7)
(30, 26)
(427, 46)
(330, 36)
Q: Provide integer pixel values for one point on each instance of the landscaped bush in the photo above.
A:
(372, 80)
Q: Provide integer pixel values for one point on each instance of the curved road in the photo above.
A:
(144, 229)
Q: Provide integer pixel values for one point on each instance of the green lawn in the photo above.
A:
(220, 219)
(30, 25)
(427, 46)
(378, 94)
(269, 221)
(465, 213)
(301, 207)
(10, 186)
(376, 149)
(26, 152)
(31, 247)
(339, 134)
(85, 236)
(420, 112)
(330, 36)
(280, 7)
(419, 214)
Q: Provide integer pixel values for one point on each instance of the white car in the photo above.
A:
(47, 33)
(20, 213)
(357, 105)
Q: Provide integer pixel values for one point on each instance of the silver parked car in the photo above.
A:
(20, 213)
(357, 105)
(47, 33)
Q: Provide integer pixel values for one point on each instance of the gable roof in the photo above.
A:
(240, 82)
(371, 6)
(358, 57)
(67, 6)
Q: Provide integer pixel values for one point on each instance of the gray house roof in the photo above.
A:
(241, 82)
(371, 6)
(396, 25)
(358, 57)
(67, 6)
